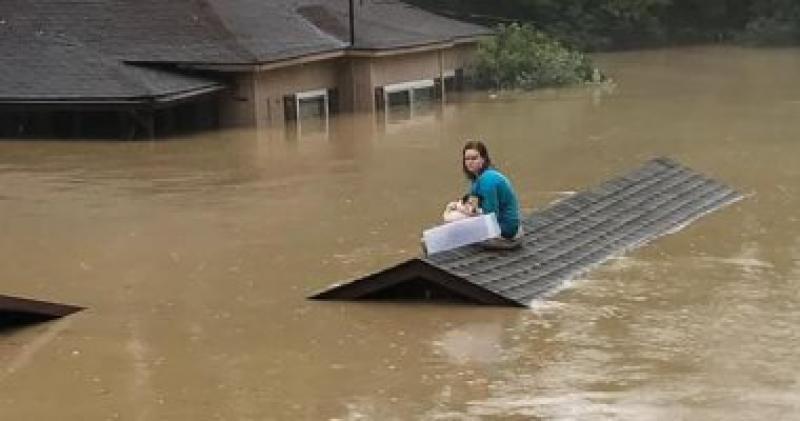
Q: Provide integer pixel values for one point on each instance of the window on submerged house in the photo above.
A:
(451, 80)
(398, 105)
(309, 112)
(404, 101)
(423, 100)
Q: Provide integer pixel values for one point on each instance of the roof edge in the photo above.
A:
(409, 270)
(330, 54)
(27, 305)
(349, 289)
(132, 100)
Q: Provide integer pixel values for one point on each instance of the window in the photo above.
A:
(309, 111)
(450, 80)
(398, 105)
(404, 101)
(312, 112)
(423, 100)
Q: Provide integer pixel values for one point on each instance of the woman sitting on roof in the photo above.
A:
(493, 193)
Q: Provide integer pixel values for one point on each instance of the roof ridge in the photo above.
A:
(409, 29)
(305, 11)
(243, 51)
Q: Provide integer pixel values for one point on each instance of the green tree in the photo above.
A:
(520, 56)
(607, 24)
(773, 22)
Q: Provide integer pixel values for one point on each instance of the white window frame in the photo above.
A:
(405, 86)
(316, 93)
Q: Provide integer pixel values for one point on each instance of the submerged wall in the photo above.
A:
(258, 99)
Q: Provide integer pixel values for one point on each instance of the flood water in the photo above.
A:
(194, 257)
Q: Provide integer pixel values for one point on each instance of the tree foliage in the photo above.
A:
(604, 24)
(775, 22)
(520, 56)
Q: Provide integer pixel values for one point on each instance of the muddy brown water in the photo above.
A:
(194, 257)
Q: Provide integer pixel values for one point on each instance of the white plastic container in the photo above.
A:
(460, 233)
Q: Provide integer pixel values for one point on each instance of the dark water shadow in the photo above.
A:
(11, 321)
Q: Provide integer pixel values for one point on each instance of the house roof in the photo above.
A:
(43, 69)
(559, 242)
(70, 49)
(18, 305)
(129, 30)
(229, 31)
(387, 24)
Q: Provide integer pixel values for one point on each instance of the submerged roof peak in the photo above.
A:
(562, 240)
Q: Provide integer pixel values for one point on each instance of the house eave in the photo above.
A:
(27, 103)
(414, 268)
(416, 48)
(327, 55)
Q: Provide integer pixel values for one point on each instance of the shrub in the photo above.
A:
(520, 56)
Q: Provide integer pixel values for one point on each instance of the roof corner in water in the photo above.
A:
(560, 242)
(415, 279)
(15, 311)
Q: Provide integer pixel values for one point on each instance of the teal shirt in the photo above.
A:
(496, 195)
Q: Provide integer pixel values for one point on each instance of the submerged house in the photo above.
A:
(143, 68)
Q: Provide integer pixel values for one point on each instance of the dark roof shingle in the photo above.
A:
(68, 49)
(226, 31)
(48, 69)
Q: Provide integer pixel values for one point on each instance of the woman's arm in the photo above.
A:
(490, 202)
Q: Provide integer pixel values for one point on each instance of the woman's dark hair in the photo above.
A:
(475, 145)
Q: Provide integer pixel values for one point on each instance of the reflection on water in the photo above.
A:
(195, 255)
(477, 342)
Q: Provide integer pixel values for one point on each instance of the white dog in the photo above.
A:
(464, 208)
